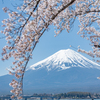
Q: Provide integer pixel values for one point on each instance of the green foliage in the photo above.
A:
(78, 94)
(73, 95)
(44, 95)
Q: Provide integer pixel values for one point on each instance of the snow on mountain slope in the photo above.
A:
(65, 59)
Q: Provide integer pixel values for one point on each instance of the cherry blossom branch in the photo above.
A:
(63, 8)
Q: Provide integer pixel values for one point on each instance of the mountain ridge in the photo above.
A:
(63, 59)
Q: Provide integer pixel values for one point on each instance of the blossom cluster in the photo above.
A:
(16, 88)
(26, 25)
(89, 24)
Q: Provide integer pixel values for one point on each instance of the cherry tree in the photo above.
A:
(27, 24)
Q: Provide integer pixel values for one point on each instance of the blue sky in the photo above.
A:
(48, 44)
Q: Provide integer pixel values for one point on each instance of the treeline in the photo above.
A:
(74, 95)
(44, 95)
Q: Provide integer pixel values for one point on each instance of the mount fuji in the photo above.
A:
(64, 71)
(65, 59)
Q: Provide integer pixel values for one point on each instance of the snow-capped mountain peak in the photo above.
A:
(65, 59)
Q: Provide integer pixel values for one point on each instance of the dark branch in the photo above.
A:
(64, 7)
(30, 15)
